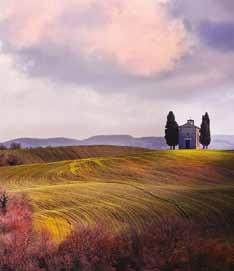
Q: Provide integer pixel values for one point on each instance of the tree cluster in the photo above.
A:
(172, 131)
(13, 146)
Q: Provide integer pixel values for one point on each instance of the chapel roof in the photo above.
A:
(189, 124)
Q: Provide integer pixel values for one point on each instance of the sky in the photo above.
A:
(78, 68)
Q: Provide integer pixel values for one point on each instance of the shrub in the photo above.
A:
(15, 146)
(13, 160)
(3, 201)
(20, 247)
(3, 147)
(9, 160)
(169, 245)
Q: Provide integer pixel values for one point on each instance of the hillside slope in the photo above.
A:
(129, 191)
(47, 155)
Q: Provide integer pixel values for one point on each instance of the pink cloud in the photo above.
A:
(140, 37)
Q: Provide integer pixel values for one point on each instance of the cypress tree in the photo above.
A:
(205, 137)
(203, 132)
(172, 131)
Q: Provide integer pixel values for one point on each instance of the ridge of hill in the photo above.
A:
(218, 142)
(55, 154)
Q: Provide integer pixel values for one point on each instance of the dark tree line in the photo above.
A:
(172, 131)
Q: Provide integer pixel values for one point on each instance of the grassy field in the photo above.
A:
(126, 188)
(49, 154)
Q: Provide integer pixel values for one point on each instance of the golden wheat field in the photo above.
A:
(124, 187)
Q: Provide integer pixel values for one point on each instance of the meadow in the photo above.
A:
(124, 187)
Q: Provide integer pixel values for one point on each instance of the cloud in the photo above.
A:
(218, 35)
(195, 11)
(35, 108)
(93, 40)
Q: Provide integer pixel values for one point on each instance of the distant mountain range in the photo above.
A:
(225, 142)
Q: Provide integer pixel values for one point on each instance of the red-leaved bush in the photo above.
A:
(170, 245)
(20, 246)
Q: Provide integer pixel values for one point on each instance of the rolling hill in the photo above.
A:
(54, 154)
(219, 142)
(128, 189)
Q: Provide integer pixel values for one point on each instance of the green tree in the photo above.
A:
(205, 137)
(172, 131)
